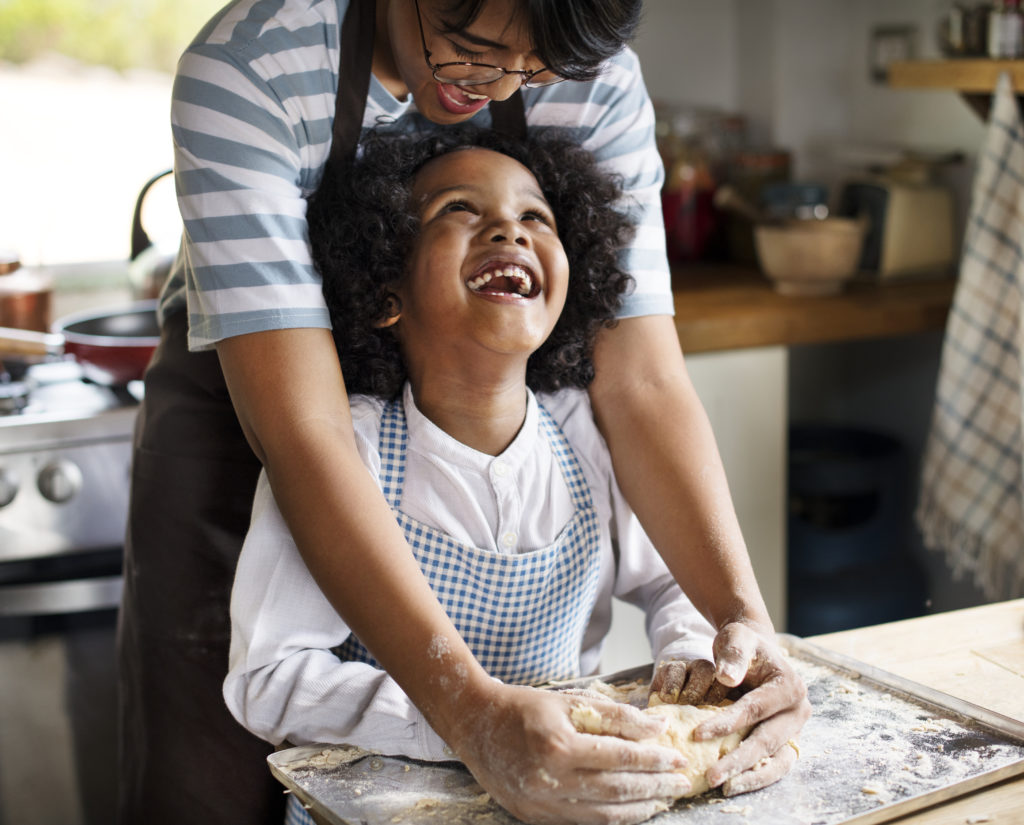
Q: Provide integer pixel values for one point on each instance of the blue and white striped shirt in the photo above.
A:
(252, 114)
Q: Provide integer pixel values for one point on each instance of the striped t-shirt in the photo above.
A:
(252, 114)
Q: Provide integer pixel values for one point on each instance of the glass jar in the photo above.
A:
(695, 145)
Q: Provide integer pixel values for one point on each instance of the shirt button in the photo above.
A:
(500, 468)
(509, 540)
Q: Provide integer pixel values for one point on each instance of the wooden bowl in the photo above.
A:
(810, 257)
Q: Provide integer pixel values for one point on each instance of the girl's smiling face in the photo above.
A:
(498, 36)
(488, 274)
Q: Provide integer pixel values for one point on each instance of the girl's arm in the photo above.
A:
(668, 467)
(518, 742)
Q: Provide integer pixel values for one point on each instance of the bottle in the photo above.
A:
(1006, 31)
(24, 295)
(995, 30)
(1013, 30)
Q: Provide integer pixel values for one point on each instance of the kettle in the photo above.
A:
(149, 265)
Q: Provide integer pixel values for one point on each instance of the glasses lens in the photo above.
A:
(466, 74)
(544, 78)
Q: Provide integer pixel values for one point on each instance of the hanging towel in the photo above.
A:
(971, 506)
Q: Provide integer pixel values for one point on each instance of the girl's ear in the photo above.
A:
(392, 311)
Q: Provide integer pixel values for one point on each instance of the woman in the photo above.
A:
(254, 106)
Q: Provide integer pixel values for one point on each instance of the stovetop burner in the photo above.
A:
(59, 388)
(13, 397)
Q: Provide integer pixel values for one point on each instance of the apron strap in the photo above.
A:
(391, 445)
(354, 67)
(508, 116)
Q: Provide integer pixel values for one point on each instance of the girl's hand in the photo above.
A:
(521, 746)
(678, 682)
(775, 704)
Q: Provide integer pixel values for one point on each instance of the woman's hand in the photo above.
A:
(774, 704)
(521, 746)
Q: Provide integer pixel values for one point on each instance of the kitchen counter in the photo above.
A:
(725, 307)
(976, 655)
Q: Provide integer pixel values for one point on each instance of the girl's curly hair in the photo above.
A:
(362, 227)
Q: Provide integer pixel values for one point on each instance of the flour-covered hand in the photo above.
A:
(521, 746)
(690, 682)
(773, 701)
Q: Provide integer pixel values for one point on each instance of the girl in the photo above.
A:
(461, 270)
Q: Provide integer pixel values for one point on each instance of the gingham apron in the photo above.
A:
(522, 614)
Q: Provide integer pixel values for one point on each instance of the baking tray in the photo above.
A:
(877, 746)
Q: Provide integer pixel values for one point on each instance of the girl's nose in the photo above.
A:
(509, 232)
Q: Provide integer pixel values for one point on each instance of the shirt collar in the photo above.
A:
(427, 438)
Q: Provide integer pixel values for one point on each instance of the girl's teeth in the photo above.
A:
(520, 277)
(472, 96)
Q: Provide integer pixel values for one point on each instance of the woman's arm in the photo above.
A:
(668, 467)
(287, 388)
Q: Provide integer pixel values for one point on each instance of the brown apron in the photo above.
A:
(184, 758)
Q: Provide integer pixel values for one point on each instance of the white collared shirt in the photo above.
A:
(284, 683)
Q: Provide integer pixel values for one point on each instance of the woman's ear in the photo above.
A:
(392, 311)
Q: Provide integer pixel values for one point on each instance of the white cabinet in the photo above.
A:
(745, 394)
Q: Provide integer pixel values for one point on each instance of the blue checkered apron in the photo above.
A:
(522, 614)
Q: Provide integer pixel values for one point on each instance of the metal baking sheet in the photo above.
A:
(877, 747)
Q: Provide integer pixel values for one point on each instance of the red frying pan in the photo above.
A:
(113, 346)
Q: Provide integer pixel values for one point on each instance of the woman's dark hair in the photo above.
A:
(362, 227)
(571, 37)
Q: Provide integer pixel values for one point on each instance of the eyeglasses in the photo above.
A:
(464, 73)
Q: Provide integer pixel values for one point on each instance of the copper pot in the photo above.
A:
(25, 296)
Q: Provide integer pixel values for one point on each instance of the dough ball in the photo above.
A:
(700, 756)
(682, 719)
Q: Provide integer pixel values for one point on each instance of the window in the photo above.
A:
(84, 107)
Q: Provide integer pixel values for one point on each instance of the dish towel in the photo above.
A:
(971, 505)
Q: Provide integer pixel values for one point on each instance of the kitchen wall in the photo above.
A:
(799, 71)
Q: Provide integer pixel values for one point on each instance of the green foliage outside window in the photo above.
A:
(118, 33)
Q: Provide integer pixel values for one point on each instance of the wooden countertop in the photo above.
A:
(963, 74)
(722, 307)
(976, 655)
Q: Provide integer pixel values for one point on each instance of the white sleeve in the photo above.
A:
(284, 683)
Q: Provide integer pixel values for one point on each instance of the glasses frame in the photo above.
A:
(436, 68)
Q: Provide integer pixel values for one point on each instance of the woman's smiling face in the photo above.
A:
(488, 274)
(498, 36)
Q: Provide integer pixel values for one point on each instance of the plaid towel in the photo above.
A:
(972, 494)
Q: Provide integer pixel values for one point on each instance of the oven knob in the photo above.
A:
(8, 486)
(59, 480)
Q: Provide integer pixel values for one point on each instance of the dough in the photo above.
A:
(682, 719)
(700, 756)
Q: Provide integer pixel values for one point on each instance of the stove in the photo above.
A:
(65, 453)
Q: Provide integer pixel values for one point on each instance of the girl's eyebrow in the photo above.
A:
(444, 190)
(429, 197)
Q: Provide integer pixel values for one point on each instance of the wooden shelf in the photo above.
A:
(724, 307)
(963, 75)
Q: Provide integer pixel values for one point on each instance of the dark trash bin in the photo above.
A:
(848, 528)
